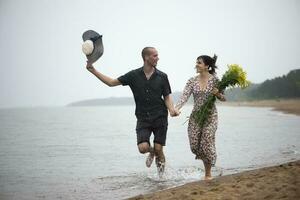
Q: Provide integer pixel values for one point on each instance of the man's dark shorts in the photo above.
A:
(159, 126)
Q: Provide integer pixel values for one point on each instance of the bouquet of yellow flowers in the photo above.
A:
(234, 76)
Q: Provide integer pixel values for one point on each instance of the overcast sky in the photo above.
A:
(42, 63)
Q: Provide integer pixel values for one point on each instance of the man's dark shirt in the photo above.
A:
(148, 93)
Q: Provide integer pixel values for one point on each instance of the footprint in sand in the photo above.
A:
(277, 189)
(270, 196)
(201, 192)
(250, 185)
(262, 187)
(247, 194)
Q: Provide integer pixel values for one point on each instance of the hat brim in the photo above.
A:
(98, 45)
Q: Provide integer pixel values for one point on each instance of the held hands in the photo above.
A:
(175, 112)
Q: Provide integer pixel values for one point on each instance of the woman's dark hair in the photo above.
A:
(210, 61)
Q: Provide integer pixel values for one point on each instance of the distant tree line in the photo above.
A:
(286, 86)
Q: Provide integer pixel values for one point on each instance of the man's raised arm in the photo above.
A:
(105, 79)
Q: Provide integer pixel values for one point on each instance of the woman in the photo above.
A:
(202, 141)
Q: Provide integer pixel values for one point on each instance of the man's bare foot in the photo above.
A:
(160, 169)
(149, 159)
(160, 164)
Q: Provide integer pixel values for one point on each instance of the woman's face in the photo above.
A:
(200, 66)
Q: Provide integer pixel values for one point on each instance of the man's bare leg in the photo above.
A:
(145, 148)
(160, 158)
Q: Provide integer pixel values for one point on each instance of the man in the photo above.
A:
(148, 86)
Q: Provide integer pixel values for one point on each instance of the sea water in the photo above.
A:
(91, 152)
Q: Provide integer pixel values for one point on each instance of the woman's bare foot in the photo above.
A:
(208, 178)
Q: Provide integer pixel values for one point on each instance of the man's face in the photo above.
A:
(152, 58)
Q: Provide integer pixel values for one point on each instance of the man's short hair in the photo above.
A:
(146, 51)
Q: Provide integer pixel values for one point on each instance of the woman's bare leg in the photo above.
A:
(207, 167)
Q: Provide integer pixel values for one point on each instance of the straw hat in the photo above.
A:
(92, 46)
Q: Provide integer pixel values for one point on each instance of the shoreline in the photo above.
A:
(288, 106)
(277, 182)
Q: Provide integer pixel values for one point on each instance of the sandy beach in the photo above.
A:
(278, 182)
(290, 106)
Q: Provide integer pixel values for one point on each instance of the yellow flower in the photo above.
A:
(241, 76)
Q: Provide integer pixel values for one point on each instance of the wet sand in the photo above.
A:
(279, 182)
(290, 106)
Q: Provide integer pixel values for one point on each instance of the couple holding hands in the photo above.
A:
(152, 95)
